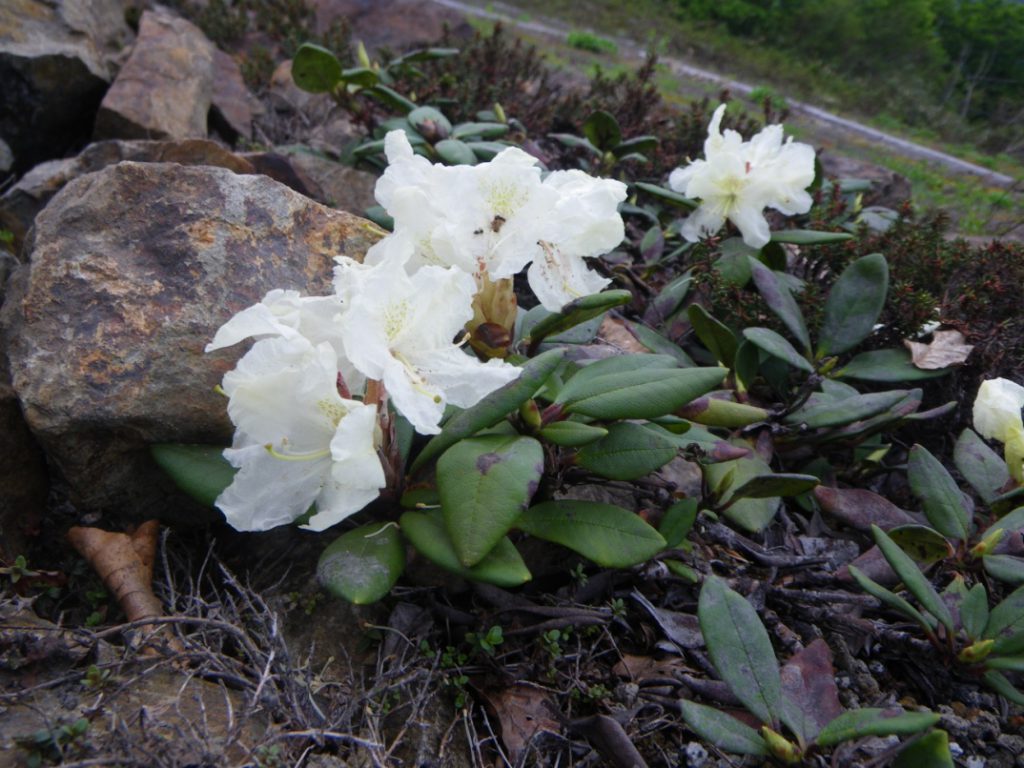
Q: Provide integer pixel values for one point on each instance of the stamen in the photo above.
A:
(296, 456)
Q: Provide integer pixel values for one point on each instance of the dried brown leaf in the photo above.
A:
(809, 688)
(946, 348)
(523, 711)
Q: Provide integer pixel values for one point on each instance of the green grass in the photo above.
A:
(588, 41)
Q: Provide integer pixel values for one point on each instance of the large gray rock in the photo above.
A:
(393, 24)
(888, 188)
(234, 106)
(20, 204)
(56, 60)
(164, 89)
(132, 269)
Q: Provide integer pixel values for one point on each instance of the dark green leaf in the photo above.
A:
(716, 412)
(809, 237)
(776, 346)
(924, 544)
(391, 98)
(602, 130)
(379, 216)
(1005, 568)
(998, 683)
(916, 582)
(942, 500)
(1006, 620)
(639, 394)
(487, 150)
(455, 152)
(722, 730)
(485, 483)
(1003, 503)
(610, 536)
(636, 144)
(425, 54)
(974, 611)
(360, 76)
(493, 408)
(668, 300)
(749, 514)
(746, 364)
(768, 486)
(982, 467)
(627, 452)
(780, 301)
(502, 567)
(858, 723)
(430, 122)
(483, 130)
(201, 471)
(315, 69)
(667, 195)
(362, 565)
(615, 364)
(719, 340)
(682, 570)
(831, 413)
(658, 344)
(890, 599)
(678, 521)
(572, 434)
(1005, 663)
(575, 142)
(740, 649)
(854, 304)
(885, 365)
(576, 312)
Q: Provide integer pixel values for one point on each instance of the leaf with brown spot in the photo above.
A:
(810, 697)
(946, 348)
(523, 711)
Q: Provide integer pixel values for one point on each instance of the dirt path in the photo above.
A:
(631, 50)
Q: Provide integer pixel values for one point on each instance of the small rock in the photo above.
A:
(888, 188)
(334, 184)
(106, 325)
(165, 87)
(695, 755)
(56, 60)
(20, 204)
(233, 106)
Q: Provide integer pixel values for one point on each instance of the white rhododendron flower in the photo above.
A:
(997, 416)
(298, 442)
(492, 219)
(737, 180)
(290, 316)
(399, 329)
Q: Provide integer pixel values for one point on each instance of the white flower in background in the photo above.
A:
(290, 316)
(298, 442)
(399, 329)
(997, 416)
(585, 222)
(737, 180)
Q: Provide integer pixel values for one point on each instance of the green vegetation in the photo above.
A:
(588, 41)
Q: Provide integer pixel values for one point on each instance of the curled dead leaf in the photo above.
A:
(946, 348)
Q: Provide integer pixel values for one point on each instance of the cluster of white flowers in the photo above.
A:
(738, 179)
(303, 437)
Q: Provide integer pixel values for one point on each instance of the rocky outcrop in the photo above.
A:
(164, 89)
(393, 24)
(234, 107)
(131, 271)
(56, 60)
(888, 188)
(22, 202)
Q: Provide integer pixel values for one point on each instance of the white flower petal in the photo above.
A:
(997, 409)
(556, 279)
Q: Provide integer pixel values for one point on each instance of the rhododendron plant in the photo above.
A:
(738, 179)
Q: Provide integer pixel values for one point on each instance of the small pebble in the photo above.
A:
(876, 668)
(696, 755)
(955, 749)
(974, 761)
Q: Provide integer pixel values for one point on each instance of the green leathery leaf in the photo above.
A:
(1007, 663)
(942, 500)
(362, 565)
(924, 544)
(716, 336)
(1003, 503)
(608, 535)
(777, 346)
(930, 751)
(974, 611)
(576, 142)
(391, 98)
(201, 471)
(502, 566)
(658, 344)
(916, 582)
(572, 434)
(639, 394)
(832, 413)
(485, 131)
(809, 237)
(636, 144)
(429, 120)
(886, 365)
(750, 514)
(492, 408)
(315, 69)
(982, 467)
(769, 486)
(613, 365)
(455, 152)
(722, 730)
(1006, 568)
(1006, 620)
(714, 412)
(360, 76)
(627, 452)
(733, 266)
(997, 682)
(485, 483)
(487, 150)
(780, 301)
(858, 723)
(746, 363)
(854, 304)
(740, 649)
(678, 522)
(578, 311)
(890, 598)
(602, 130)
(667, 195)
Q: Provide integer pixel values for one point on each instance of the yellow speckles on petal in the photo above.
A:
(335, 412)
(505, 198)
(396, 318)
